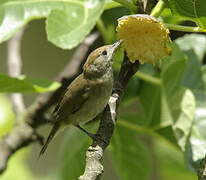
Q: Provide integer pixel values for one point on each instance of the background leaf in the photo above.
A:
(64, 18)
(151, 103)
(24, 84)
(131, 157)
(196, 146)
(189, 42)
(73, 154)
(190, 9)
(180, 101)
(7, 115)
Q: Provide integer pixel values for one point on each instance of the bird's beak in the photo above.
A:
(116, 45)
(112, 49)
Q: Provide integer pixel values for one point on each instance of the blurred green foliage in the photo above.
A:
(6, 115)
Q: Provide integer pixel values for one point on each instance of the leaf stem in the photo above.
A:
(148, 78)
(136, 127)
(157, 10)
(185, 28)
(139, 129)
(102, 29)
(110, 5)
(128, 4)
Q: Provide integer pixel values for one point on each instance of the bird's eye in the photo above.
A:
(104, 52)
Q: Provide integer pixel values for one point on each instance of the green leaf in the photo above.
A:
(170, 18)
(203, 70)
(73, 154)
(25, 85)
(182, 72)
(7, 117)
(190, 9)
(180, 101)
(17, 168)
(167, 132)
(196, 145)
(172, 104)
(68, 22)
(193, 74)
(151, 103)
(192, 77)
(130, 157)
(171, 162)
(194, 42)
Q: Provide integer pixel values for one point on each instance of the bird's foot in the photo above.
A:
(95, 137)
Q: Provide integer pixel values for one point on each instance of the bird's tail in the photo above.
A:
(50, 137)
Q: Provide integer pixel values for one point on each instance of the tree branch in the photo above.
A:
(14, 63)
(24, 132)
(94, 168)
(201, 173)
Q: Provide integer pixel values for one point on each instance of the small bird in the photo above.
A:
(88, 94)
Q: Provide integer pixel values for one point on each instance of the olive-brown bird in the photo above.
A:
(88, 94)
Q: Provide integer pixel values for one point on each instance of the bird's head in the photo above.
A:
(99, 61)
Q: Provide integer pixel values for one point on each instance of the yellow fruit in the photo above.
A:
(144, 38)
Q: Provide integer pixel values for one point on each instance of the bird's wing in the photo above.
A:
(74, 97)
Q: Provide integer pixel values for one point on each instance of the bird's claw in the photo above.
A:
(94, 137)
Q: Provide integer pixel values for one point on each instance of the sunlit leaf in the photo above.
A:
(190, 9)
(25, 85)
(180, 101)
(194, 42)
(6, 115)
(68, 22)
(196, 146)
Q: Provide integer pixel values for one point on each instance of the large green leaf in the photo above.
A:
(168, 134)
(25, 85)
(190, 9)
(180, 101)
(193, 74)
(171, 163)
(196, 146)
(130, 157)
(188, 125)
(194, 42)
(73, 154)
(172, 104)
(17, 168)
(68, 21)
(150, 98)
(151, 103)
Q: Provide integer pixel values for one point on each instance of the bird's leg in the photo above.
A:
(91, 135)
(95, 137)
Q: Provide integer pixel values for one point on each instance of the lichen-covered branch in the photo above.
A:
(94, 168)
(202, 170)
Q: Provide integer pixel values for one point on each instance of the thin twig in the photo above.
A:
(94, 168)
(24, 133)
(14, 63)
(80, 53)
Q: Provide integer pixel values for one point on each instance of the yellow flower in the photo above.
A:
(144, 38)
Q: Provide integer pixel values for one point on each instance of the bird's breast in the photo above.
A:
(96, 102)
